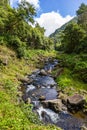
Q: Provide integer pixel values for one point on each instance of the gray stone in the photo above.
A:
(28, 100)
(83, 128)
(75, 103)
(56, 105)
(76, 100)
(41, 98)
(43, 72)
(24, 80)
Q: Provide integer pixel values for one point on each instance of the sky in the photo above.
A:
(52, 14)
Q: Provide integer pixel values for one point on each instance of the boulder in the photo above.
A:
(41, 98)
(75, 102)
(56, 105)
(24, 79)
(28, 100)
(43, 72)
(83, 128)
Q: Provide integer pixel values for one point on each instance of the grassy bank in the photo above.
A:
(15, 115)
(74, 77)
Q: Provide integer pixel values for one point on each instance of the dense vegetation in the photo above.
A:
(19, 56)
(17, 33)
(73, 41)
(57, 35)
(23, 48)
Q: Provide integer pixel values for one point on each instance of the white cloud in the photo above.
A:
(51, 21)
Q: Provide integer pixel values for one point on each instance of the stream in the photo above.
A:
(43, 87)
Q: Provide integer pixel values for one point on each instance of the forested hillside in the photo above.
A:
(22, 47)
(56, 36)
(15, 31)
(72, 36)
(71, 39)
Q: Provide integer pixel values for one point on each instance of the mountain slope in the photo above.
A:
(55, 36)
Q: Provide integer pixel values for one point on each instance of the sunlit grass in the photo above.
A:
(14, 115)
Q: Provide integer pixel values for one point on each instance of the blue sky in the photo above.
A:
(52, 14)
(65, 7)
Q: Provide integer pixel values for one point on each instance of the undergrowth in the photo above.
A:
(74, 77)
(15, 115)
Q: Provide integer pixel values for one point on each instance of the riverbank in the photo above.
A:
(53, 106)
(13, 114)
(16, 115)
(74, 76)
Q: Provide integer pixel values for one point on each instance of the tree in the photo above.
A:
(26, 11)
(73, 35)
(82, 9)
(82, 16)
(41, 29)
(4, 2)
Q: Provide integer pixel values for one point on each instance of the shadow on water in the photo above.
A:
(45, 86)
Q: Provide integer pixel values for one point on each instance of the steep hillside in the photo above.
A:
(56, 35)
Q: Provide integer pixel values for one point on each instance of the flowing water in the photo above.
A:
(45, 86)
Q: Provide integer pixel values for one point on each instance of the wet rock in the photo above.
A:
(56, 105)
(76, 99)
(63, 97)
(43, 72)
(83, 128)
(41, 98)
(33, 95)
(75, 102)
(46, 117)
(28, 100)
(24, 80)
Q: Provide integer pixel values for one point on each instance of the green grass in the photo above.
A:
(66, 80)
(74, 78)
(16, 115)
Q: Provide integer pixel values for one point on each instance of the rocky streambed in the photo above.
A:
(50, 104)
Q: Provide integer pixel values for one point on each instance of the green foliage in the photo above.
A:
(77, 64)
(11, 116)
(69, 84)
(26, 11)
(15, 31)
(57, 35)
(17, 45)
(82, 9)
(14, 114)
(32, 117)
(82, 16)
(73, 36)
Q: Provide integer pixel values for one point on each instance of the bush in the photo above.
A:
(2, 40)
(19, 46)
